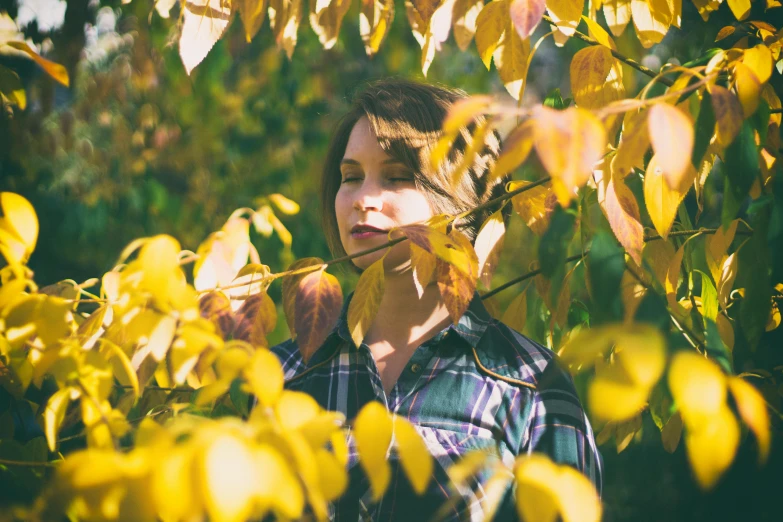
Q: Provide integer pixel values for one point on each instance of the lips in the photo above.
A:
(364, 231)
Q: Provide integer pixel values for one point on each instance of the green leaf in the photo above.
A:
(753, 273)
(716, 349)
(606, 265)
(741, 168)
(705, 128)
(760, 120)
(554, 100)
(709, 297)
(554, 243)
(239, 397)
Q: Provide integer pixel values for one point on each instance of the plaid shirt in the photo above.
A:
(477, 384)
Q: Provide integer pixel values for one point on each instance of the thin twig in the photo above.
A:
(524, 277)
(47, 464)
(633, 63)
(153, 387)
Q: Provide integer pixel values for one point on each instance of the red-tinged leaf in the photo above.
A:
(725, 32)
(439, 244)
(671, 135)
(728, 114)
(216, 307)
(516, 149)
(568, 143)
(318, 302)
(365, 301)
(589, 71)
(622, 211)
(488, 246)
(426, 8)
(290, 288)
(526, 15)
(255, 319)
(457, 287)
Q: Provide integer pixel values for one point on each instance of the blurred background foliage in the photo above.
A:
(135, 147)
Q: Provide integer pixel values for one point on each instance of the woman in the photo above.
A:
(476, 384)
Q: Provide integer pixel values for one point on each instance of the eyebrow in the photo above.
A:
(389, 161)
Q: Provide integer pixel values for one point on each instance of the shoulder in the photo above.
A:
(517, 358)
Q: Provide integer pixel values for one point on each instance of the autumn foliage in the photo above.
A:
(153, 363)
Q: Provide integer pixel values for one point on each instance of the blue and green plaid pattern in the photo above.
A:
(477, 384)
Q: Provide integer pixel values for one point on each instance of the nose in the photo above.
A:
(368, 197)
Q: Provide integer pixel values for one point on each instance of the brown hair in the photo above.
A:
(407, 118)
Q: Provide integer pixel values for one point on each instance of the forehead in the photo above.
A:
(363, 145)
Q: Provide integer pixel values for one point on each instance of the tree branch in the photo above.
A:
(633, 63)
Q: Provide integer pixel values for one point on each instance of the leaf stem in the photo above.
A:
(47, 464)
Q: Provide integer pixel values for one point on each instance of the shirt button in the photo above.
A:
(415, 368)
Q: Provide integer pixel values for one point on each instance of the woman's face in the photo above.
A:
(376, 194)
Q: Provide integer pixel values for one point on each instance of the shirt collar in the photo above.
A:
(471, 325)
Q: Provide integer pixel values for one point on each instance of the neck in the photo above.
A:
(403, 317)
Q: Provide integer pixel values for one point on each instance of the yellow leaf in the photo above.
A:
(172, 485)
(526, 15)
(457, 287)
(774, 317)
(278, 486)
(698, 387)
(414, 456)
(621, 210)
(121, 366)
(598, 33)
(463, 112)
(725, 32)
(728, 115)
(331, 473)
(373, 433)
(770, 96)
(465, 18)
(566, 14)
(546, 490)
(252, 14)
(204, 22)
(284, 19)
(285, 205)
(717, 247)
(596, 77)
(55, 70)
(534, 206)
(54, 415)
(661, 200)
(375, 21)
(652, 19)
(516, 149)
(326, 21)
(318, 302)
(511, 58)
(740, 8)
(490, 25)
(18, 218)
(568, 143)
(295, 409)
(748, 88)
(617, 14)
(712, 445)
(265, 376)
(365, 302)
(671, 134)
(515, 315)
(488, 246)
(759, 60)
(632, 293)
(753, 409)
(426, 9)
(634, 142)
(423, 266)
(229, 478)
